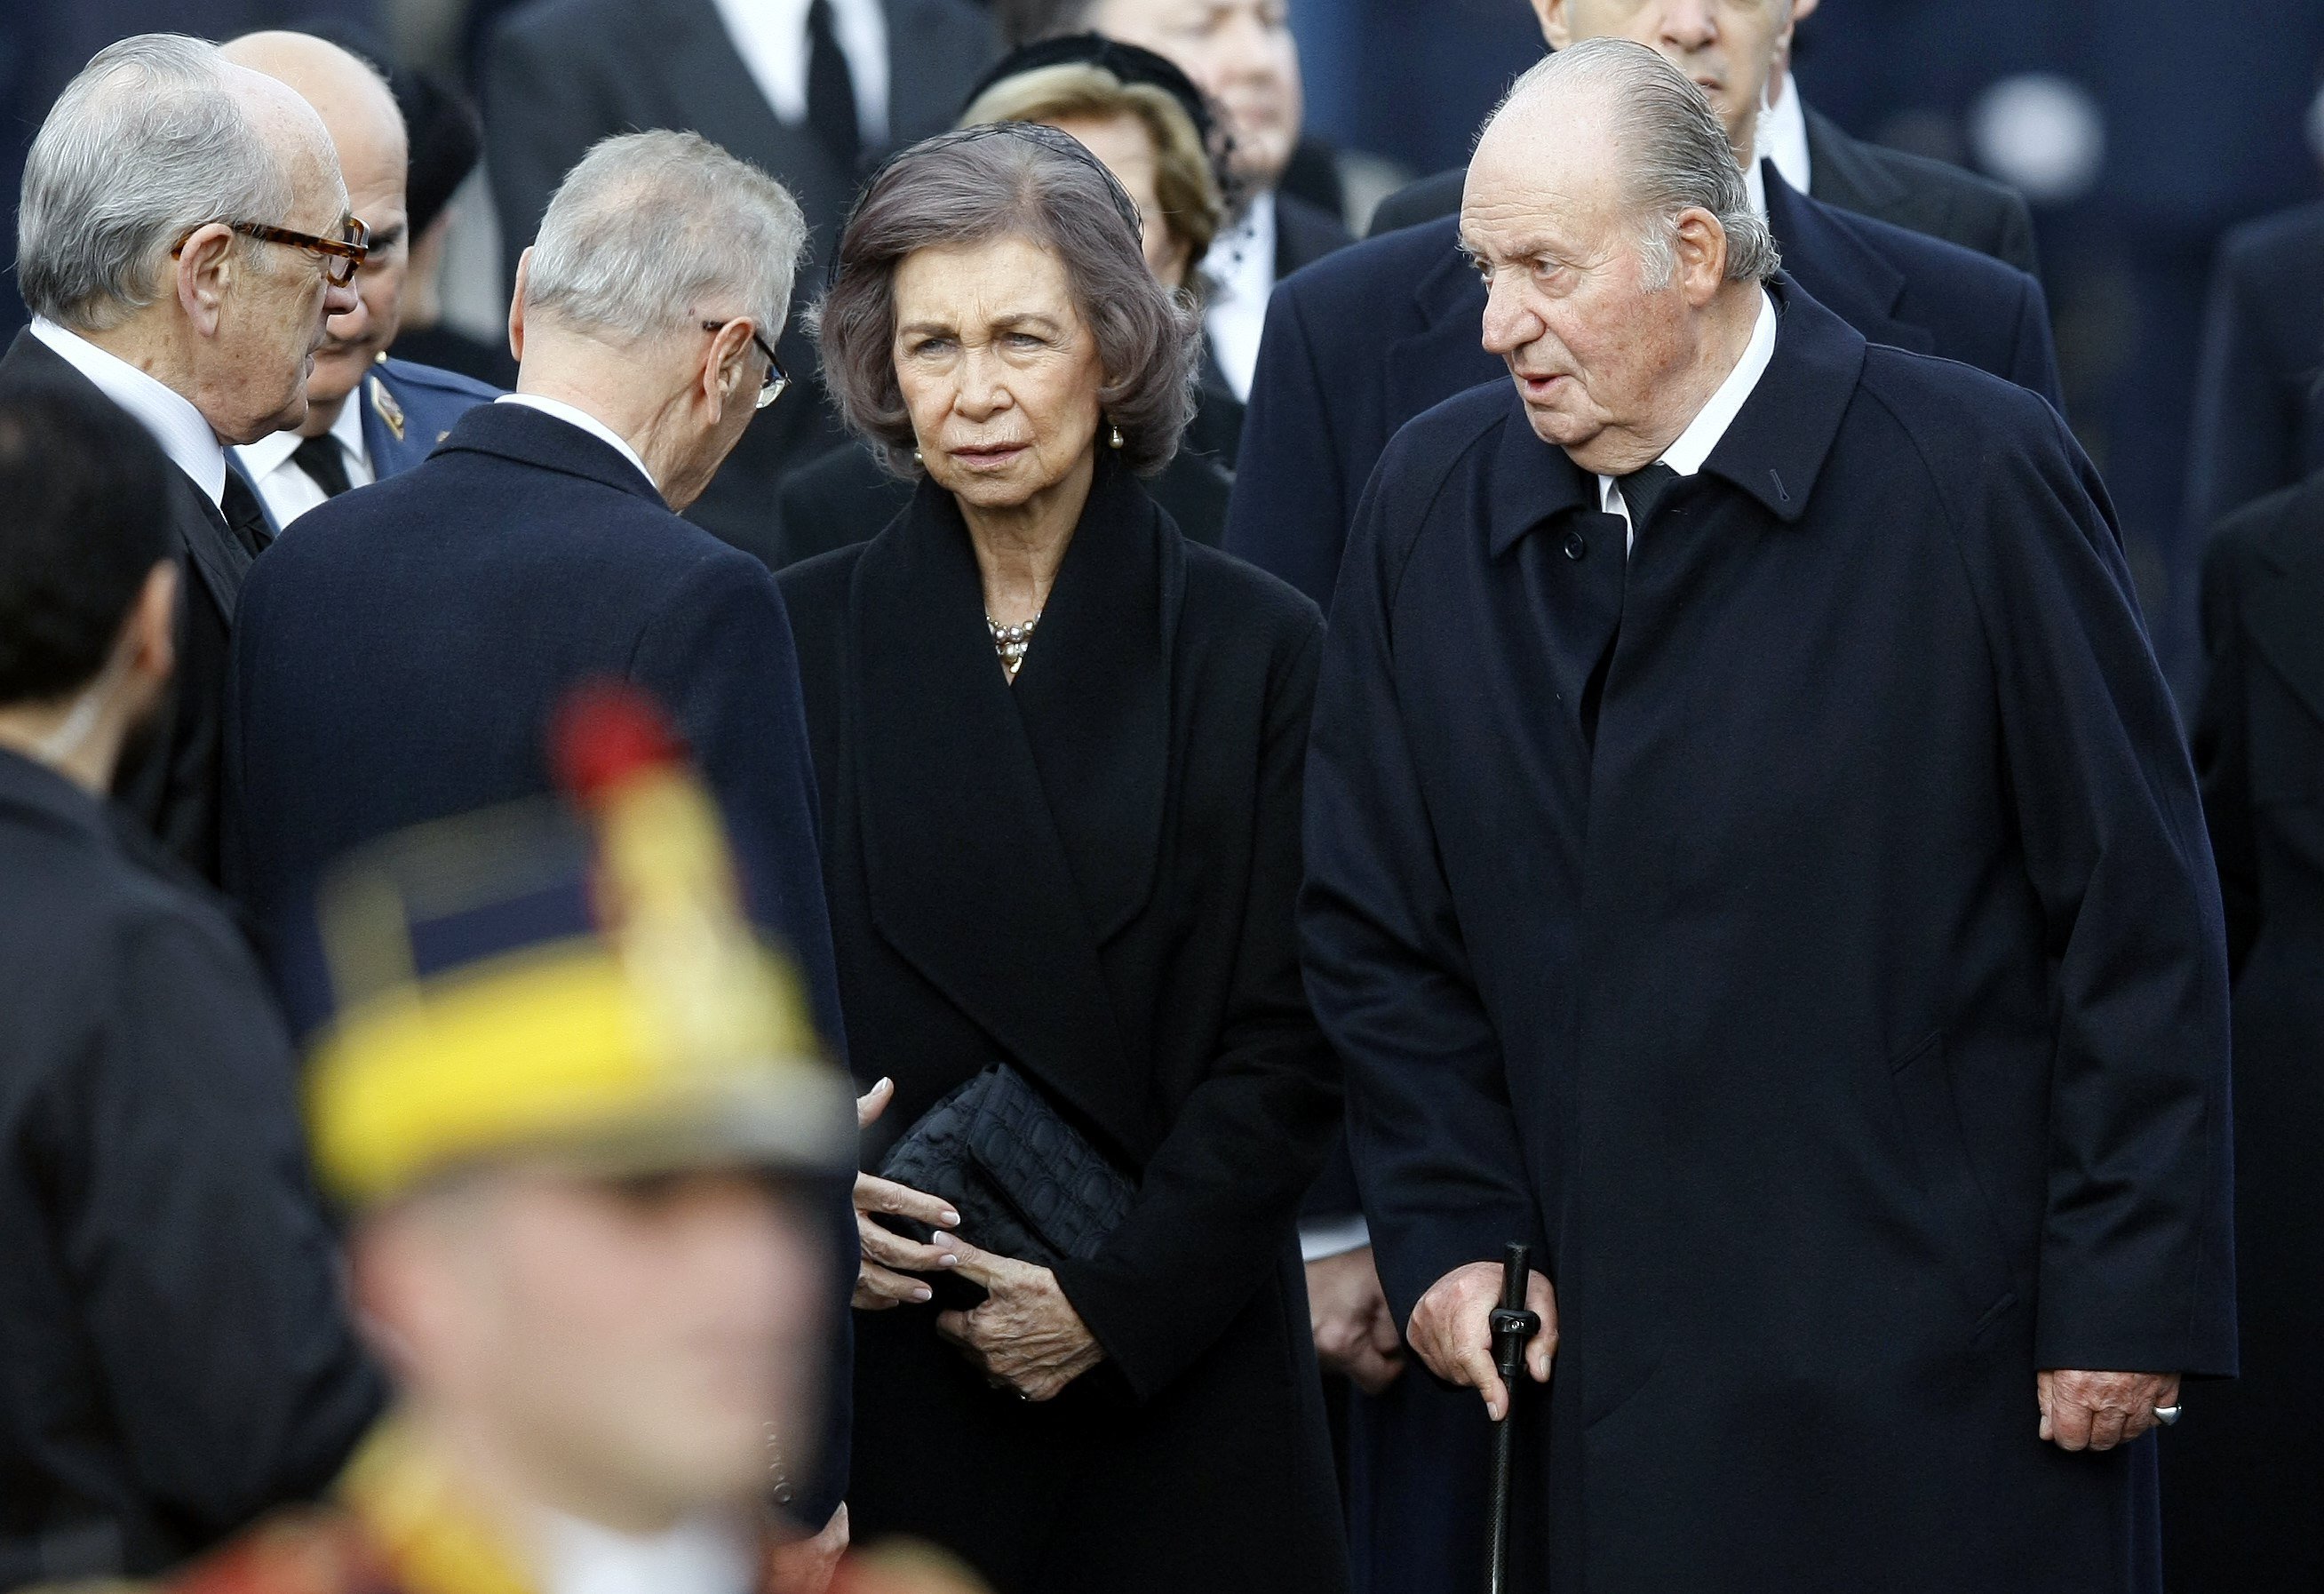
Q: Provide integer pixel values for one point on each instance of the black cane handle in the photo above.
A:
(1513, 1327)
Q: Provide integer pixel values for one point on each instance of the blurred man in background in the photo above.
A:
(576, 1109)
(184, 238)
(809, 91)
(174, 1358)
(2259, 396)
(367, 415)
(1240, 53)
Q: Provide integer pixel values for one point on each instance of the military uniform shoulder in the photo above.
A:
(405, 376)
(320, 1550)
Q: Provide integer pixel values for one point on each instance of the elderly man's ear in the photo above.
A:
(206, 267)
(1556, 26)
(726, 367)
(1700, 247)
(516, 306)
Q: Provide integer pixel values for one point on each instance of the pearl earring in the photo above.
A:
(1117, 437)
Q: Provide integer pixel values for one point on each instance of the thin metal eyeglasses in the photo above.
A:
(777, 379)
(341, 256)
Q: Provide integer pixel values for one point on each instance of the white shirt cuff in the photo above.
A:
(1321, 1239)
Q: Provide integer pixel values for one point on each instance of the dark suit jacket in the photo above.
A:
(1909, 191)
(563, 74)
(1091, 875)
(1845, 1021)
(1921, 194)
(174, 1359)
(2242, 1499)
(1359, 345)
(2259, 399)
(170, 775)
(1304, 232)
(400, 653)
(844, 498)
(407, 410)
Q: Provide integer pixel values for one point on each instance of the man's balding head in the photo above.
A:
(1619, 247)
(359, 111)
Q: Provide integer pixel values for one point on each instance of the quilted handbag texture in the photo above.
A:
(1026, 1183)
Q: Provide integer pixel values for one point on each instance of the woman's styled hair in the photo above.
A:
(1008, 179)
(1192, 205)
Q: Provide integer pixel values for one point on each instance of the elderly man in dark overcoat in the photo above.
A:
(1751, 857)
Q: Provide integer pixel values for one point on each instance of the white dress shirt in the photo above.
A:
(1686, 456)
(698, 1557)
(770, 36)
(573, 416)
(290, 492)
(1784, 138)
(184, 435)
(1240, 266)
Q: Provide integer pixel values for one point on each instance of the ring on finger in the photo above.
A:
(2169, 1414)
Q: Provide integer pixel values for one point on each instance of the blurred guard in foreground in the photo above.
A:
(575, 1105)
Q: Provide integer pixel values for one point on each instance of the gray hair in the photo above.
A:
(1003, 180)
(651, 227)
(147, 144)
(1674, 152)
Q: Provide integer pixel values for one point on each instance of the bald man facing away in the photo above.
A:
(368, 417)
(1752, 859)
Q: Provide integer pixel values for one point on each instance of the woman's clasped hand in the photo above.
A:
(1025, 1336)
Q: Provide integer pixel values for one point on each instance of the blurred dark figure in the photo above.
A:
(173, 1354)
(810, 91)
(167, 276)
(2259, 396)
(1144, 119)
(2243, 1500)
(368, 417)
(1242, 54)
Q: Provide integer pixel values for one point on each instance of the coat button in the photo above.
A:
(1575, 547)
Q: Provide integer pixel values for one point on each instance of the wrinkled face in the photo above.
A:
(272, 320)
(374, 165)
(1238, 52)
(1591, 342)
(1127, 147)
(634, 1344)
(1728, 47)
(998, 369)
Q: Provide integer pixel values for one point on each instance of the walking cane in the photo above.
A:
(1512, 1325)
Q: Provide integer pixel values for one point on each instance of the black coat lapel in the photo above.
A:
(1428, 368)
(1094, 695)
(1837, 268)
(964, 870)
(2285, 607)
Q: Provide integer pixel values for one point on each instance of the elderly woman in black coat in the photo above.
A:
(1060, 750)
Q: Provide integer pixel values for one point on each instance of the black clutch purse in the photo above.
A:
(1026, 1184)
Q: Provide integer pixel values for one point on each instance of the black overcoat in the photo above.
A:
(1091, 875)
(1846, 1026)
(174, 1356)
(2244, 1490)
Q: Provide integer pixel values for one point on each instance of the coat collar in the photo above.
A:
(2281, 608)
(529, 436)
(1823, 254)
(1449, 356)
(1037, 806)
(1844, 175)
(29, 790)
(1774, 450)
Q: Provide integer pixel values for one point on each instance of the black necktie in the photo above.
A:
(1645, 491)
(246, 517)
(830, 90)
(324, 463)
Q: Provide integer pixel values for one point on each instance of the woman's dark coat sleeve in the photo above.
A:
(1435, 1139)
(1218, 1200)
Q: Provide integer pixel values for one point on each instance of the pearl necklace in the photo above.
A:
(1011, 641)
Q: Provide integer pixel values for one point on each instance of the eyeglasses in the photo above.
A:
(777, 378)
(341, 256)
